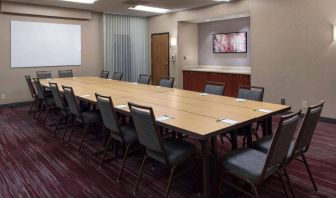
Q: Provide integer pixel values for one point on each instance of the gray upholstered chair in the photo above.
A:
(61, 105)
(43, 74)
(216, 88)
(144, 79)
(167, 82)
(33, 107)
(249, 93)
(124, 134)
(300, 144)
(45, 100)
(117, 76)
(87, 118)
(65, 74)
(170, 151)
(253, 166)
(104, 74)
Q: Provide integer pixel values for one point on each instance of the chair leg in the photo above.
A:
(123, 162)
(289, 182)
(58, 123)
(46, 115)
(85, 132)
(41, 109)
(140, 174)
(38, 105)
(72, 130)
(255, 190)
(32, 106)
(105, 152)
(66, 128)
(309, 172)
(221, 138)
(283, 184)
(170, 180)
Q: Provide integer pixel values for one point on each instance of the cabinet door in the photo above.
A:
(187, 80)
(245, 80)
(200, 81)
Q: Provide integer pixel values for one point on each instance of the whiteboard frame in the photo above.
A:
(24, 51)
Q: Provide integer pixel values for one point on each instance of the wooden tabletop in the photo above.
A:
(192, 112)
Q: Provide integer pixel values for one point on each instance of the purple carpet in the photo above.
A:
(33, 163)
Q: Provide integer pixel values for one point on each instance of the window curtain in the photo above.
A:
(126, 45)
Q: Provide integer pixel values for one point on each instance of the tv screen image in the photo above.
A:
(230, 42)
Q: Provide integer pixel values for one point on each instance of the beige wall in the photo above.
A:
(292, 51)
(187, 54)
(12, 82)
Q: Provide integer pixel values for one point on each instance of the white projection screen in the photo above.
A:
(36, 44)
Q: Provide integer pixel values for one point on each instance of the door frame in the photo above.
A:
(168, 52)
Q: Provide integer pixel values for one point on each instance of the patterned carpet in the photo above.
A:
(33, 163)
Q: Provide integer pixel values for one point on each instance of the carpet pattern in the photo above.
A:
(33, 163)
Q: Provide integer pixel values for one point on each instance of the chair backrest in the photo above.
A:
(307, 129)
(107, 111)
(43, 74)
(117, 76)
(147, 130)
(251, 93)
(65, 73)
(31, 86)
(281, 142)
(216, 88)
(39, 89)
(56, 95)
(144, 79)
(104, 74)
(71, 100)
(167, 82)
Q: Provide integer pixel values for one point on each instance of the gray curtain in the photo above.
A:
(126, 45)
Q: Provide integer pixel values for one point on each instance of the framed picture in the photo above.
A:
(233, 42)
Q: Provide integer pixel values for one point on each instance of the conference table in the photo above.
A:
(199, 115)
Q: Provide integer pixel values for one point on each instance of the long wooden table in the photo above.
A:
(194, 114)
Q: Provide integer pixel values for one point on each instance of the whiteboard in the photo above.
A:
(35, 44)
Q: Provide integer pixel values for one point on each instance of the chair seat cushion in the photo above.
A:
(177, 151)
(129, 133)
(248, 163)
(264, 144)
(90, 117)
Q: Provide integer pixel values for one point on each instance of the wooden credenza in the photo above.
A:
(196, 80)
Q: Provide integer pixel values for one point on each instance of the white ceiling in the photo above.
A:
(121, 6)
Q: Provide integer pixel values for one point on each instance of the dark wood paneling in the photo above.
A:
(195, 81)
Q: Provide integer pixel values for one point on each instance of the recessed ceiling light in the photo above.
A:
(82, 1)
(222, 0)
(149, 9)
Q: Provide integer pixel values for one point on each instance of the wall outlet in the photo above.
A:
(304, 104)
(283, 101)
(3, 96)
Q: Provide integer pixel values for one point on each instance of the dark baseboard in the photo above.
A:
(328, 120)
(17, 104)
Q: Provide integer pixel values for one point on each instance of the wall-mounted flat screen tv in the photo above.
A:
(234, 42)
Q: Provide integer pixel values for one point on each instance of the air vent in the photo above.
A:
(136, 2)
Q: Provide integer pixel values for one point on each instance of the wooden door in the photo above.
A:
(160, 57)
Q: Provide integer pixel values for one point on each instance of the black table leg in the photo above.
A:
(234, 141)
(249, 136)
(269, 125)
(205, 161)
(213, 166)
